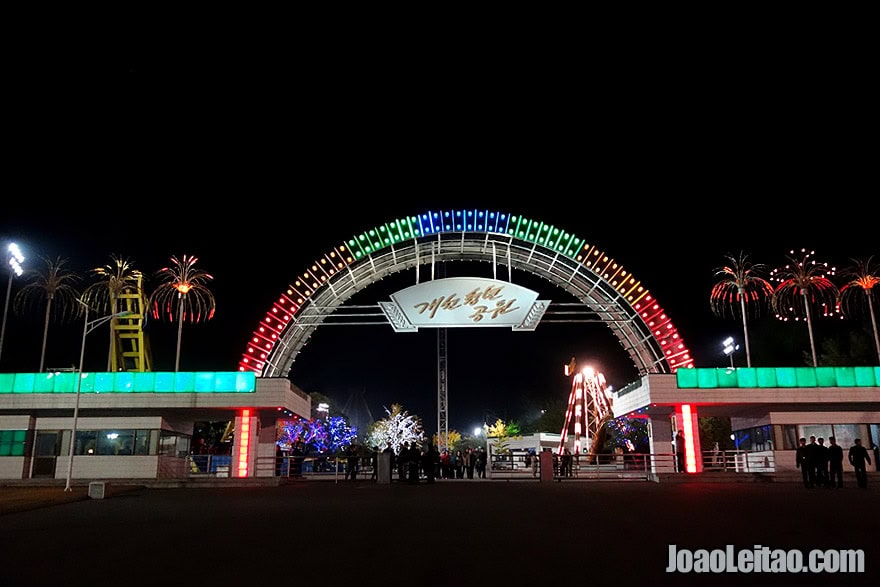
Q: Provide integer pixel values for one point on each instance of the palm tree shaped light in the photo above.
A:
(741, 282)
(858, 293)
(184, 295)
(807, 279)
(113, 280)
(55, 286)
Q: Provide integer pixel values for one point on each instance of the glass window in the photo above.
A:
(845, 435)
(143, 444)
(116, 442)
(12, 443)
(789, 437)
(173, 445)
(86, 442)
(817, 430)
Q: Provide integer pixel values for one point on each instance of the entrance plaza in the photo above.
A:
(446, 533)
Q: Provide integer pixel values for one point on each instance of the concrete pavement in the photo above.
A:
(448, 533)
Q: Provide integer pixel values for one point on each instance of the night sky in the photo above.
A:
(259, 166)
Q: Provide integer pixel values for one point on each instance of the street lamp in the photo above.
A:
(15, 259)
(88, 326)
(729, 346)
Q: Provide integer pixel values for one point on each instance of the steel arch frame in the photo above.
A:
(642, 327)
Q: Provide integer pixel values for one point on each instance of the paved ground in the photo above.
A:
(450, 533)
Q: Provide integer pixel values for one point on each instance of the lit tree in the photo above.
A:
(449, 442)
(184, 295)
(631, 434)
(55, 286)
(808, 280)
(503, 433)
(857, 295)
(741, 286)
(398, 427)
(328, 435)
(113, 279)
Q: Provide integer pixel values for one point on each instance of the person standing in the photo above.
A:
(679, 451)
(801, 461)
(352, 463)
(459, 464)
(822, 463)
(812, 460)
(471, 457)
(482, 462)
(566, 463)
(858, 456)
(835, 463)
(402, 462)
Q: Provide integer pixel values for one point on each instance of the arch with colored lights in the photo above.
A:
(642, 327)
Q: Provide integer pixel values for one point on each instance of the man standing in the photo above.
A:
(822, 464)
(812, 460)
(858, 456)
(835, 464)
(801, 461)
(679, 451)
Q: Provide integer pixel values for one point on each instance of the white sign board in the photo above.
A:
(464, 302)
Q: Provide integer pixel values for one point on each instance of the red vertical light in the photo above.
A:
(688, 424)
(244, 444)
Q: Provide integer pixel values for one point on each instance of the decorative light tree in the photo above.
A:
(184, 296)
(398, 427)
(55, 285)
(807, 279)
(742, 286)
(857, 295)
(114, 279)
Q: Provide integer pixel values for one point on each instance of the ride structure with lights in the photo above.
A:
(621, 301)
(589, 409)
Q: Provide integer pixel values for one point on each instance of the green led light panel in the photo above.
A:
(776, 377)
(131, 382)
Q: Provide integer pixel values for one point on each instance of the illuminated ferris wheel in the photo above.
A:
(589, 408)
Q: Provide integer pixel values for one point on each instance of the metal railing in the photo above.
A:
(507, 466)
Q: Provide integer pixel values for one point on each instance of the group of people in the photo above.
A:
(414, 463)
(822, 466)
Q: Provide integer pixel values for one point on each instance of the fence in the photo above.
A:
(508, 466)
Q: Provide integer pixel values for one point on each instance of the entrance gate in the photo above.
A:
(596, 280)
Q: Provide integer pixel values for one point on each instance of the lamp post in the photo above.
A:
(15, 259)
(88, 326)
(729, 346)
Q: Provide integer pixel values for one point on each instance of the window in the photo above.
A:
(116, 442)
(789, 437)
(757, 438)
(86, 442)
(12, 443)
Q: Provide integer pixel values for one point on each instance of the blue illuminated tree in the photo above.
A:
(322, 435)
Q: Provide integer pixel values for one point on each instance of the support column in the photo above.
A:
(660, 441)
(244, 448)
(686, 416)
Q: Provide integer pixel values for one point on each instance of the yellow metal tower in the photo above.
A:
(131, 347)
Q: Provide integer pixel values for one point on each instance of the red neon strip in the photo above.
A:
(244, 444)
(688, 424)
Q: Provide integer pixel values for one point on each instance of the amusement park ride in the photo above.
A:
(130, 348)
(589, 409)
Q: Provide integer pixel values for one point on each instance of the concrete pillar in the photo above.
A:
(244, 447)
(546, 457)
(660, 440)
(383, 462)
(686, 416)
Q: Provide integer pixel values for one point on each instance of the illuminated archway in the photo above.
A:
(642, 327)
